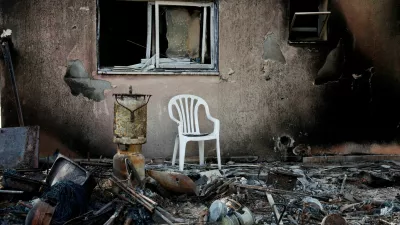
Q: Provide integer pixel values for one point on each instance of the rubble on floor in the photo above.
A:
(86, 192)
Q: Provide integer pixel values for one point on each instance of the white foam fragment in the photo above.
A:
(6, 33)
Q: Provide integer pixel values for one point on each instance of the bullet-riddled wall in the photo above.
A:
(258, 96)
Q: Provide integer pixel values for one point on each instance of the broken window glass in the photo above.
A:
(173, 36)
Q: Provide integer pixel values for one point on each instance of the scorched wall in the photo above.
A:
(256, 100)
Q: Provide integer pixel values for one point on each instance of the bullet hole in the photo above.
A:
(285, 140)
(284, 145)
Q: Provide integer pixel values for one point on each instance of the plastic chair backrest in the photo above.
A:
(188, 109)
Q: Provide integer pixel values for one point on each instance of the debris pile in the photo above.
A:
(86, 192)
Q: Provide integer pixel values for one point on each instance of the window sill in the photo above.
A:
(161, 73)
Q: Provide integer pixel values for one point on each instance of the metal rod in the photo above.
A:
(10, 192)
(163, 217)
(157, 34)
(311, 13)
(150, 205)
(273, 205)
(102, 209)
(149, 29)
(114, 216)
(148, 199)
(282, 213)
(182, 3)
(95, 164)
(139, 199)
(132, 171)
(132, 194)
(203, 44)
(212, 36)
(8, 61)
(26, 170)
(269, 189)
(125, 199)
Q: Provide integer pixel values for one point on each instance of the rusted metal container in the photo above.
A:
(130, 118)
(134, 154)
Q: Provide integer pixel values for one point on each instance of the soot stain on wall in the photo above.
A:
(358, 106)
(80, 82)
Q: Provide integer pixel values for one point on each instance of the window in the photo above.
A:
(167, 37)
(308, 21)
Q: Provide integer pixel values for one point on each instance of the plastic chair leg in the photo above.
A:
(175, 150)
(218, 154)
(201, 152)
(182, 149)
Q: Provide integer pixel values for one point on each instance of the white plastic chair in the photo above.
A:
(188, 126)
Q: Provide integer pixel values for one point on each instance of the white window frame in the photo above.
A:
(322, 30)
(166, 66)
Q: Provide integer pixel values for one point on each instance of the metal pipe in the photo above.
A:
(10, 192)
(144, 200)
(114, 216)
(8, 61)
(148, 199)
(145, 204)
(125, 199)
(102, 209)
